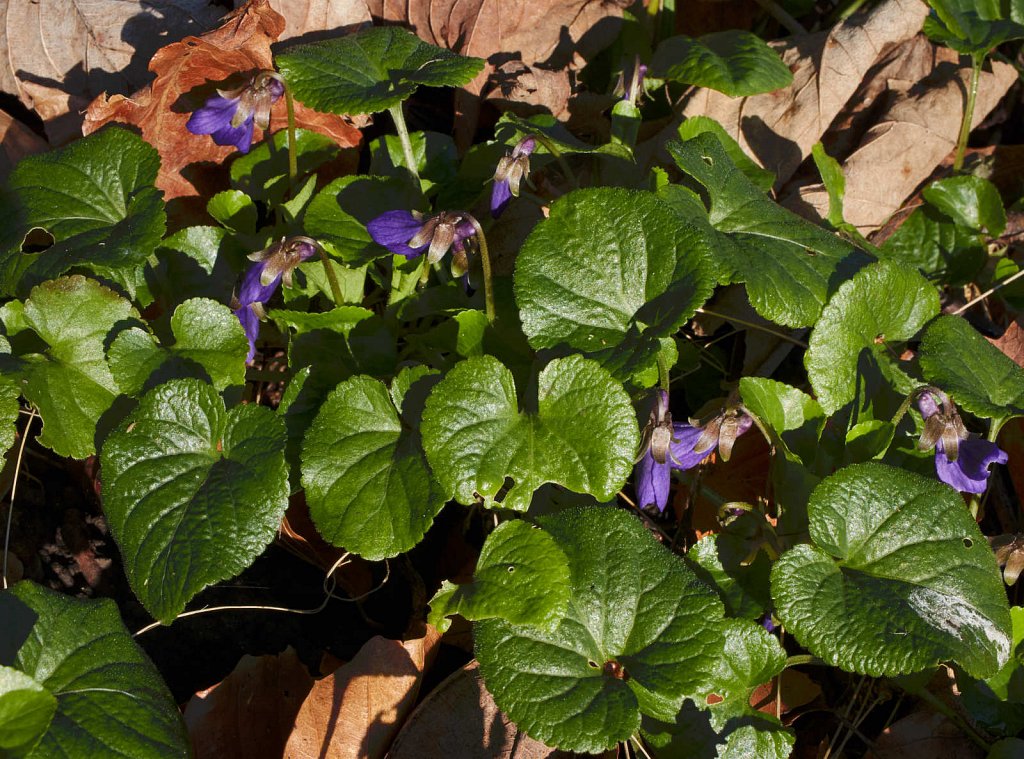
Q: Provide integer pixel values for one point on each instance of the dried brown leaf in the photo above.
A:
(460, 719)
(186, 74)
(59, 55)
(319, 18)
(779, 128)
(250, 713)
(358, 710)
(17, 141)
(906, 145)
(1011, 342)
(922, 734)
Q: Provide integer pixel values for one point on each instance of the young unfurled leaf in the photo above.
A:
(788, 264)
(366, 478)
(371, 71)
(735, 62)
(96, 198)
(192, 493)
(978, 376)
(941, 249)
(898, 578)
(580, 432)
(971, 201)
(522, 577)
(884, 303)
(110, 700)
(641, 632)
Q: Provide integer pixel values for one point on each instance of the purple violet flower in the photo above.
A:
(272, 266)
(635, 87)
(512, 169)
(409, 233)
(229, 116)
(961, 460)
(669, 445)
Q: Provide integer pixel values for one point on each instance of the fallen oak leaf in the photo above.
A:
(58, 55)
(317, 19)
(187, 72)
(17, 141)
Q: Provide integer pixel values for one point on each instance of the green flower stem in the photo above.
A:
(485, 260)
(663, 378)
(801, 659)
(332, 278)
(293, 162)
(403, 137)
(965, 127)
(550, 146)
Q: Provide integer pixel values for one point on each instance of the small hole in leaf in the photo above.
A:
(592, 664)
(708, 160)
(968, 543)
(36, 240)
(714, 698)
(879, 339)
(506, 486)
(511, 568)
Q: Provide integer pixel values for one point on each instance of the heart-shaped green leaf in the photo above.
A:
(883, 304)
(735, 62)
(640, 633)
(71, 384)
(367, 482)
(26, 708)
(979, 376)
(110, 699)
(96, 197)
(611, 270)
(209, 342)
(371, 71)
(582, 434)
(192, 493)
(969, 200)
(694, 125)
(522, 576)
(972, 28)
(941, 249)
(786, 262)
(899, 578)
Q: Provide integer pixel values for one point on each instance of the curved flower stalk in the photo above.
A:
(962, 460)
(230, 115)
(512, 169)
(272, 266)
(669, 445)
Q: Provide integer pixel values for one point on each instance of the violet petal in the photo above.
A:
(501, 194)
(394, 229)
(652, 482)
(681, 454)
(969, 473)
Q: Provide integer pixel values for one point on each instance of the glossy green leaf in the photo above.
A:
(972, 28)
(997, 702)
(339, 213)
(722, 561)
(96, 198)
(370, 71)
(941, 249)
(794, 416)
(10, 407)
(694, 125)
(735, 62)
(883, 304)
(235, 210)
(979, 376)
(70, 383)
(968, 200)
(899, 578)
(367, 482)
(26, 708)
(192, 493)
(262, 173)
(579, 431)
(611, 270)
(834, 180)
(521, 576)
(787, 263)
(209, 343)
(641, 632)
(110, 698)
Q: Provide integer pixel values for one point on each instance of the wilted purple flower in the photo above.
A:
(409, 233)
(229, 115)
(669, 445)
(635, 86)
(512, 169)
(272, 266)
(961, 460)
